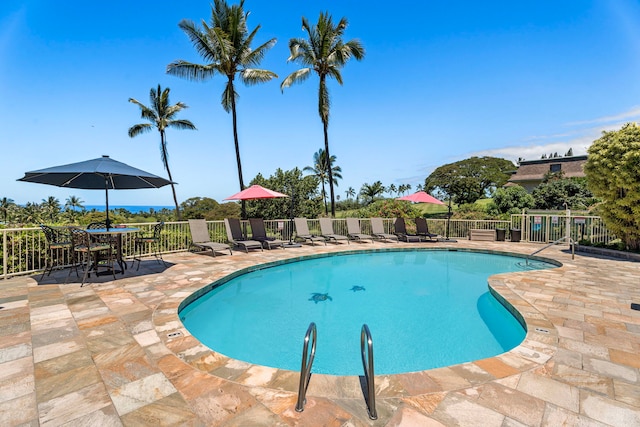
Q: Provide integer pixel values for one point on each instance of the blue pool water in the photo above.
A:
(425, 309)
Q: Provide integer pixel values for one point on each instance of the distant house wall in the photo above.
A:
(530, 173)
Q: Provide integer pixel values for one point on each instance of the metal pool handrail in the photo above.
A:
(572, 243)
(307, 363)
(367, 364)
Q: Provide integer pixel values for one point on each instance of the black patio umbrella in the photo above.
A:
(97, 174)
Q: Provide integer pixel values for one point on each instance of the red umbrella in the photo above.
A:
(421, 197)
(256, 192)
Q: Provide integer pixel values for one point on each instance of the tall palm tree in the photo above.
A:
(5, 206)
(325, 53)
(351, 192)
(51, 208)
(392, 189)
(71, 204)
(161, 116)
(320, 168)
(225, 44)
(371, 191)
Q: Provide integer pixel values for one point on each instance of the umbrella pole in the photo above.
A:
(106, 197)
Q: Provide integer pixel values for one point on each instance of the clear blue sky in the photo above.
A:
(441, 81)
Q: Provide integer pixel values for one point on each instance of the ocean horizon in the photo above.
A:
(131, 208)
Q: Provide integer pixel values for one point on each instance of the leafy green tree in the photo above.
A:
(302, 192)
(325, 53)
(388, 209)
(209, 209)
(320, 169)
(391, 189)
(371, 191)
(225, 44)
(5, 207)
(468, 180)
(512, 199)
(161, 116)
(613, 174)
(562, 193)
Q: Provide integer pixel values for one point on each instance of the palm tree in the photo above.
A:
(51, 207)
(5, 206)
(325, 53)
(320, 168)
(71, 204)
(392, 189)
(161, 116)
(350, 192)
(226, 46)
(371, 191)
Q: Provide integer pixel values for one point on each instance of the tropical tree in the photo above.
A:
(468, 180)
(371, 191)
(225, 44)
(512, 199)
(325, 53)
(351, 192)
(302, 192)
(51, 208)
(562, 193)
(5, 206)
(392, 189)
(161, 115)
(71, 205)
(613, 176)
(320, 169)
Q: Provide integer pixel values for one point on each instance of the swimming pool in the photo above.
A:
(425, 309)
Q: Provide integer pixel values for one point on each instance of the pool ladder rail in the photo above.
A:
(307, 363)
(366, 348)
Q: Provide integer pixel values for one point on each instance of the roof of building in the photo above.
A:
(535, 170)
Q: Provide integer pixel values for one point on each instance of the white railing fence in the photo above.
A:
(24, 250)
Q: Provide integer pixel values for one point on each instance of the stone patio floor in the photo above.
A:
(108, 354)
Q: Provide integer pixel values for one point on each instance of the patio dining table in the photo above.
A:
(116, 232)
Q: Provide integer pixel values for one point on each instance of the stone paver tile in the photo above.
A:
(66, 382)
(74, 405)
(613, 370)
(17, 351)
(550, 390)
(168, 411)
(624, 358)
(67, 362)
(627, 393)
(16, 368)
(142, 392)
(19, 411)
(496, 367)
(455, 410)
(123, 365)
(555, 416)
(105, 417)
(57, 349)
(517, 405)
(16, 386)
(584, 379)
(410, 417)
(608, 411)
